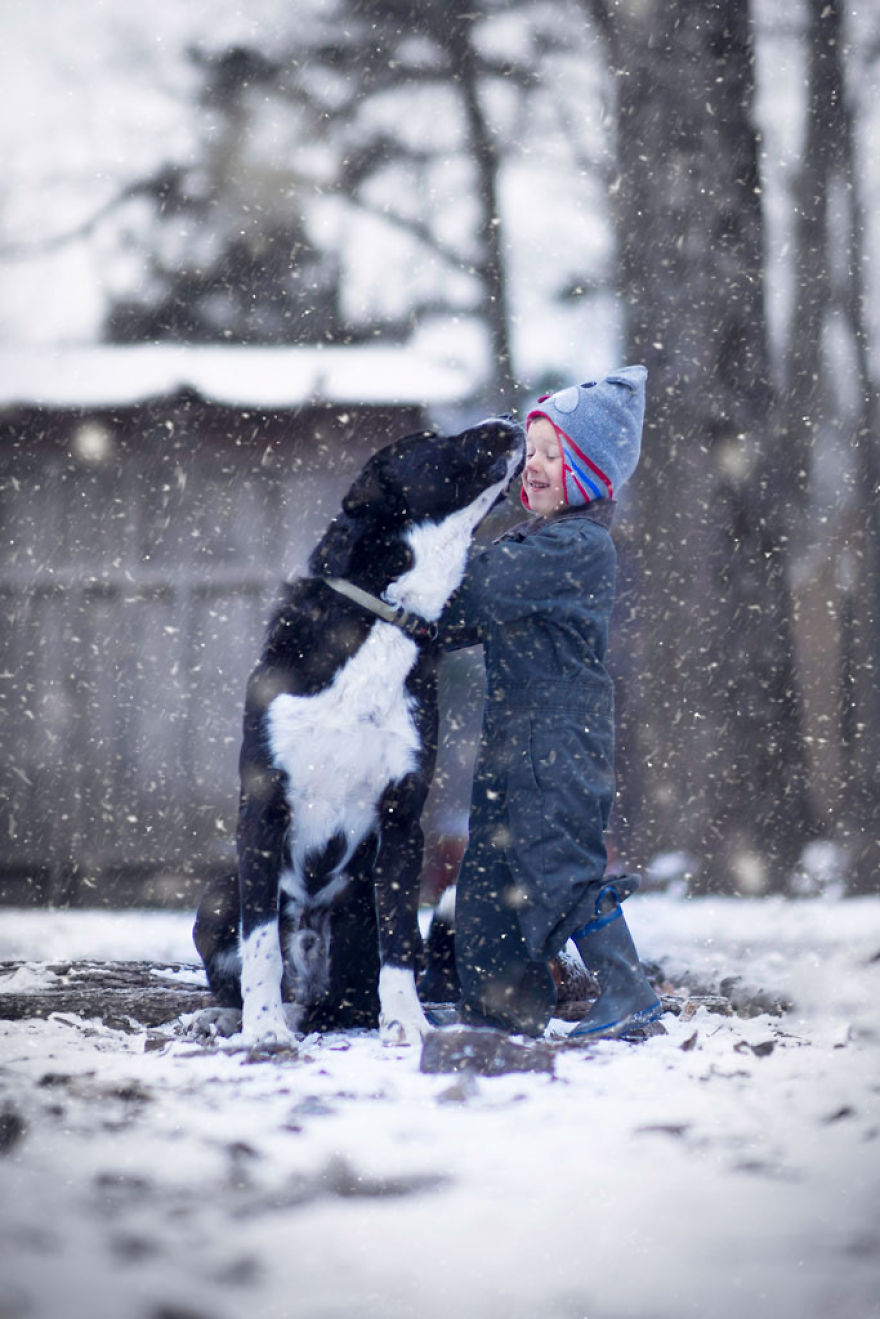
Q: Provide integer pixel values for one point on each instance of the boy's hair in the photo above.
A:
(599, 424)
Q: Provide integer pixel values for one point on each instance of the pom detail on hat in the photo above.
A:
(599, 424)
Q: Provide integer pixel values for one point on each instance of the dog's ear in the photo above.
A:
(331, 557)
(343, 541)
(381, 489)
(371, 489)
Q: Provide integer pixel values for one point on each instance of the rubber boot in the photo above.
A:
(626, 999)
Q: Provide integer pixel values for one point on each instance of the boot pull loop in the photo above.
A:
(605, 918)
(607, 905)
(617, 890)
(624, 885)
(607, 900)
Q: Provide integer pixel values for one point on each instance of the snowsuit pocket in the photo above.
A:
(524, 841)
(560, 791)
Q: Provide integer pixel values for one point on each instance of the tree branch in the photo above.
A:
(415, 228)
(163, 186)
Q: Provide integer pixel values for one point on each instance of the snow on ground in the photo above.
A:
(729, 1168)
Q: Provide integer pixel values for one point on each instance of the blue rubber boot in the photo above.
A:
(626, 1000)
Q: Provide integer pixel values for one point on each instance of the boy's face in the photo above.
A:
(542, 475)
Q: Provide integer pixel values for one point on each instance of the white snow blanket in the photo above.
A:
(729, 1168)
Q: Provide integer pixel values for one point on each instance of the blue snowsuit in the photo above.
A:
(539, 600)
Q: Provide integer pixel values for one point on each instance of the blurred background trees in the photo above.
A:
(398, 113)
(548, 187)
(717, 716)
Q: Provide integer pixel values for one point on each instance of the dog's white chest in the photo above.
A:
(341, 748)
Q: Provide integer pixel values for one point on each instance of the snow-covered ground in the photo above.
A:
(729, 1168)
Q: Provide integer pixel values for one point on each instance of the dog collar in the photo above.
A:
(415, 627)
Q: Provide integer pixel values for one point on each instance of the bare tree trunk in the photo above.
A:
(716, 716)
(492, 268)
(830, 280)
(860, 681)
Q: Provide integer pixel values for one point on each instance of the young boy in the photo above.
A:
(539, 600)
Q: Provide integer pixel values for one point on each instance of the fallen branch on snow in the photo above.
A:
(124, 995)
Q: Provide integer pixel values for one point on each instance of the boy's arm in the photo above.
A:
(515, 578)
(459, 623)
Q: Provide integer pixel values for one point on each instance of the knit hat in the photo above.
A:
(599, 424)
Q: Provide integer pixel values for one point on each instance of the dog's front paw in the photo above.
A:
(401, 1019)
(394, 1031)
(266, 1029)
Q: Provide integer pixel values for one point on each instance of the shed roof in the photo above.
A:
(114, 375)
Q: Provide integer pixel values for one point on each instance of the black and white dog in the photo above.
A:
(340, 733)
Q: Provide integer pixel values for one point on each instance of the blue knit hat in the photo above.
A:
(599, 425)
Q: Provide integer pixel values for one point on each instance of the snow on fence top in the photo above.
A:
(111, 375)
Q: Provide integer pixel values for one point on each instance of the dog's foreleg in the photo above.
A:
(401, 1018)
(263, 823)
(396, 879)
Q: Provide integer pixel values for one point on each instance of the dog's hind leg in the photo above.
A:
(215, 935)
(396, 880)
(263, 823)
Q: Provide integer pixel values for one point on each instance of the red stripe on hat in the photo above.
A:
(587, 494)
(589, 463)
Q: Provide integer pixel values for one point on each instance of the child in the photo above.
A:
(540, 602)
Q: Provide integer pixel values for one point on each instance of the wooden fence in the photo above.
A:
(142, 549)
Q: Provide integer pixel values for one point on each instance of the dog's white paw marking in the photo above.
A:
(262, 1018)
(268, 1032)
(395, 1033)
(265, 1023)
(401, 1019)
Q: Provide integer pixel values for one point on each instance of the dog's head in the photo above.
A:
(419, 479)
(428, 476)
